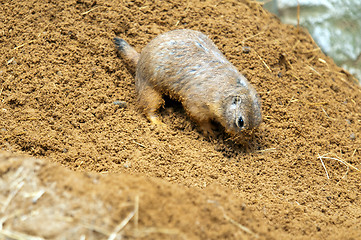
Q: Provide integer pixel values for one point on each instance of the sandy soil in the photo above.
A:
(60, 76)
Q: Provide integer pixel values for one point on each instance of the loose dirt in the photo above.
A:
(61, 80)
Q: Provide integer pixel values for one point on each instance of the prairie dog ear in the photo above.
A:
(241, 80)
(256, 100)
(257, 109)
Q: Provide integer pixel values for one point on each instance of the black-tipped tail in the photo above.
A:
(127, 52)
(121, 44)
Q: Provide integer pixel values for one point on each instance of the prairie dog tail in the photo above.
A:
(127, 51)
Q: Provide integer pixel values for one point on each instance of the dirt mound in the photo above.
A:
(45, 200)
(60, 79)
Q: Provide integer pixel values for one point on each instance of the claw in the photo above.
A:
(206, 128)
(155, 120)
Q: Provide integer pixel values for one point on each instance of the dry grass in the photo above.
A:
(331, 156)
(228, 218)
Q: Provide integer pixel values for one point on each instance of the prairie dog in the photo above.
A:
(187, 66)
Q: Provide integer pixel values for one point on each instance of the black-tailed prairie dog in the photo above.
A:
(187, 66)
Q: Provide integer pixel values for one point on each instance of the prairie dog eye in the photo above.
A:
(240, 122)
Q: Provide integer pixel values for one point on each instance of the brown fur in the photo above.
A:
(187, 66)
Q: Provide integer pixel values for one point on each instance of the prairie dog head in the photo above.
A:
(242, 110)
